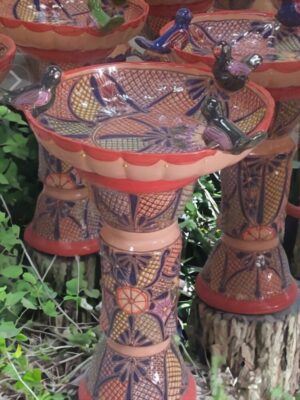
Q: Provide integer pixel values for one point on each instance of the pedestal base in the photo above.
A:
(262, 352)
(190, 393)
(160, 376)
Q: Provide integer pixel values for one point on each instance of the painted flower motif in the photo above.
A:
(256, 260)
(259, 232)
(131, 300)
(198, 90)
(60, 180)
(167, 137)
(57, 210)
(127, 267)
(132, 337)
(163, 308)
(128, 367)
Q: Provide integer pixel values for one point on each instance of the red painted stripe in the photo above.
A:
(233, 305)
(60, 248)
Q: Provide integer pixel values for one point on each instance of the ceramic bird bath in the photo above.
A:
(248, 271)
(65, 32)
(141, 148)
(163, 11)
(255, 5)
(7, 54)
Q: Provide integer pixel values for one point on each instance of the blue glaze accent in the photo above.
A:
(288, 14)
(37, 5)
(161, 45)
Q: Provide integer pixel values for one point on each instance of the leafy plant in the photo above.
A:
(18, 165)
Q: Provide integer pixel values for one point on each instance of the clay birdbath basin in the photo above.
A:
(64, 33)
(7, 54)
(247, 32)
(141, 147)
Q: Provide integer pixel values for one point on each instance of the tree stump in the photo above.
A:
(262, 352)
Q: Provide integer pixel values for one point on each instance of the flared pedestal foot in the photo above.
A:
(66, 222)
(157, 377)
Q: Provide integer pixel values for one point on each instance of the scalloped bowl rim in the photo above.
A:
(63, 29)
(144, 158)
(289, 65)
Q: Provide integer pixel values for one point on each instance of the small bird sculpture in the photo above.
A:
(230, 74)
(224, 134)
(177, 33)
(106, 22)
(37, 97)
(289, 13)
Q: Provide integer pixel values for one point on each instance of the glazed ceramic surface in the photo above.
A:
(64, 32)
(141, 148)
(248, 33)
(161, 12)
(7, 54)
(118, 125)
(257, 5)
(66, 222)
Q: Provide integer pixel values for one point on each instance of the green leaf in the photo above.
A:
(3, 179)
(28, 304)
(14, 298)
(8, 330)
(12, 272)
(33, 376)
(49, 309)
(72, 286)
(21, 338)
(28, 277)
(18, 352)
(93, 293)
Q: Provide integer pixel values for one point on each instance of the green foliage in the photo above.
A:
(18, 165)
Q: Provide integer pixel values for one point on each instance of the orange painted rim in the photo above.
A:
(59, 248)
(281, 66)
(65, 30)
(252, 307)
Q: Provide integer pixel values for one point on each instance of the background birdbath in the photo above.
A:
(256, 5)
(248, 272)
(141, 160)
(163, 11)
(7, 54)
(65, 33)
(65, 222)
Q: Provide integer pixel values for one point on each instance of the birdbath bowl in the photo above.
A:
(247, 33)
(140, 147)
(64, 33)
(7, 54)
(248, 271)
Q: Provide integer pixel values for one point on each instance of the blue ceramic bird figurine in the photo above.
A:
(37, 97)
(224, 134)
(289, 13)
(162, 45)
(231, 74)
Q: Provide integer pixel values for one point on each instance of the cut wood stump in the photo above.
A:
(262, 352)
